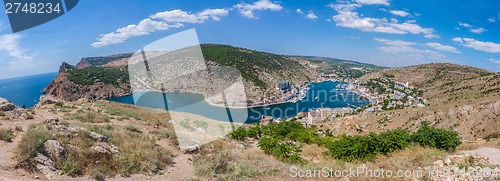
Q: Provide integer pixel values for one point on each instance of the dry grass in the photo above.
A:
(31, 143)
(6, 134)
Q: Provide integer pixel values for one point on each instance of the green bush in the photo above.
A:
(267, 144)
(393, 140)
(238, 134)
(6, 134)
(350, 148)
(288, 152)
(435, 137)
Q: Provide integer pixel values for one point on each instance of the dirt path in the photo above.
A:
(492, 153)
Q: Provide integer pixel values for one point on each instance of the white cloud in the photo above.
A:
(493, 60)
(489, 47)
(179, 16)
(215, 14)
(478, 30)
(18, 59)
(471, 28)
(311, 15)
(346, 17)
(247, 10)
(10, 45)
(144, 27)
(158, 22)
(394, 42)
(464, 25)
(492, 19)
(399, 13)
(371, 2)
(442, 47)
(405, 50)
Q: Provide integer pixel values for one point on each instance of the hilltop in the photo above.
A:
(462, 98)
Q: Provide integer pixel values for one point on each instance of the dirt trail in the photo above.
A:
(492, 153)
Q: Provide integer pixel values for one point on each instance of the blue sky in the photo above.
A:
(383, 32)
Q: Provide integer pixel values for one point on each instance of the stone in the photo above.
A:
(42, 159)
(104, 148)
(439, 163)
(48, 99)
(447, 161)
(52, 121)
(54, 149)
(98, 137)
(20, 113)
(192, 148)
(6, 105)
(46, 166)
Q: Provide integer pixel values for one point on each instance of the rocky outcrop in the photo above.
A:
(6, 105)
(65, 67)
(104, 148)
(21, 113)
(54, 149)
(46, 165)
(98, 137)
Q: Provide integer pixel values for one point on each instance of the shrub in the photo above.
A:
(19, 128)
(6, 134)
(350, 148)
(288, 152)
(214, 164)
(267, 144)
(31, 143)
(132, 128)
(238, 134)
(393, 140)
(186, 124)
(2, 113)
(435, 137)
(59, 104)
(200, 124)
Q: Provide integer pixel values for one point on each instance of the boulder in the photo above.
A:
(20, 113)
(48, 99)
(52, 121)
(46, 166)
(54, 149)
(6, 105)
(98, 137)
(104, 148)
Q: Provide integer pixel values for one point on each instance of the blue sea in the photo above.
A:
(25, 90)
(321, 95)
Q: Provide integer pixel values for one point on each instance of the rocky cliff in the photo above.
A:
(107, 76)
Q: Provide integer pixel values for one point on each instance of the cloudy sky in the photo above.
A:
(384, 32)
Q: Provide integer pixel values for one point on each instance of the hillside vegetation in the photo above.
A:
(107, 76)
(462, 98)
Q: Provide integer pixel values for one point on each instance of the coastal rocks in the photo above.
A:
(6, 105)
(98, 137)
(104, 148)
(54, 149)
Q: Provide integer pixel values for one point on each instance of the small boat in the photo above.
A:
(316, 98)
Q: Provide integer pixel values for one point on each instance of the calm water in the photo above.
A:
(327, 97)
(25, 90)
